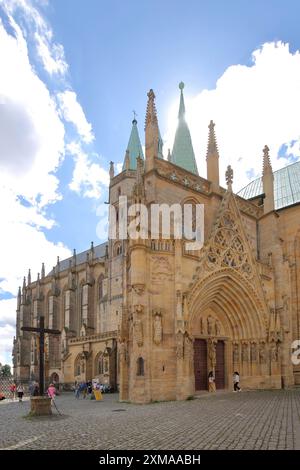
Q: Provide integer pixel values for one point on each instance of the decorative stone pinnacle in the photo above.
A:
(229, 176)
(266, 159)
(151, 116)
(111, 170)
(169, 155)
(212, 147)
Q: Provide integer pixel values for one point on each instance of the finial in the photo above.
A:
(266, 160)
(74, 257)
(169, 155)
(151, 116)
(134, 117)
(181, 112)
(181, 86)
(92, 246)
(57, 263)
(19, 291)
(43, 270)
(229, 176)
(24, 282)
(29, 277)
(111, 170)
(38, 277)
(211, 125)
(212, 147)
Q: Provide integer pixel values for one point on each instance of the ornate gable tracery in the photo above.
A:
(228, 248)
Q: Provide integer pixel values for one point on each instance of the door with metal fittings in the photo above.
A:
(200, 364)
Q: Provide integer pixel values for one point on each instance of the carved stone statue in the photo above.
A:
(235, 353)
(139, 308)
(138, 331)
(245, 352)
(212, 355)
(157, 327)
(273, 351)
(253, 352)
(262, 353)
(210, 325)
(201, 326)
(179, 345)
(217, 328)
(188, 347)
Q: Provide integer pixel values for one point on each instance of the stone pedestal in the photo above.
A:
(40, 406)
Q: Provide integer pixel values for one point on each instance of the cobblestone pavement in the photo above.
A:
(246, 420)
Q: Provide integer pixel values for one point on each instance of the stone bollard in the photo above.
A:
(40, 406)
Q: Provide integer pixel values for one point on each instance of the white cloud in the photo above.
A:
(31, 132)
(50, 53)
(7, 333)
(53, 57)
(251, 106)
(88, 177)
(31, 149)
(73, 112)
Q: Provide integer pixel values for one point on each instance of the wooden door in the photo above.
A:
(200, 364)
(220, 366)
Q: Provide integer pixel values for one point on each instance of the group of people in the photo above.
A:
(85, 388)
(19, 390)
(212, 383)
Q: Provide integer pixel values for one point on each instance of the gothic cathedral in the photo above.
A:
(151, 317)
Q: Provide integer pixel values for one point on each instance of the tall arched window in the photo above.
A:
(140, 366)
(100, 286)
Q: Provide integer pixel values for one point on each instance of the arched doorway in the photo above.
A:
(54, 378)
(227, 323)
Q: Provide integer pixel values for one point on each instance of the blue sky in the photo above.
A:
(72, 73)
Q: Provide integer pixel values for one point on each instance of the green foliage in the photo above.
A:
(5, 370)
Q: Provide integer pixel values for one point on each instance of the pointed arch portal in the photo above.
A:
(226, 319)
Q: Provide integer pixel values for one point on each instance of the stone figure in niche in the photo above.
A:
(217, 328)
(188, 346)
(236, 353)
(253, 352)
(210, 325)
(245, 352)
(273, 351)
(138, 332)
(212, 355)
(201, 326)
(157, 327)
(262, 353)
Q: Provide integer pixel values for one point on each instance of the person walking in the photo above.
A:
(51, 392)
(20, 392)
(77, 390)
(211, 382)
(12, 390)
(236, 382)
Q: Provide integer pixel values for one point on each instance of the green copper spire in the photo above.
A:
(134, 147)
(183, 153)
